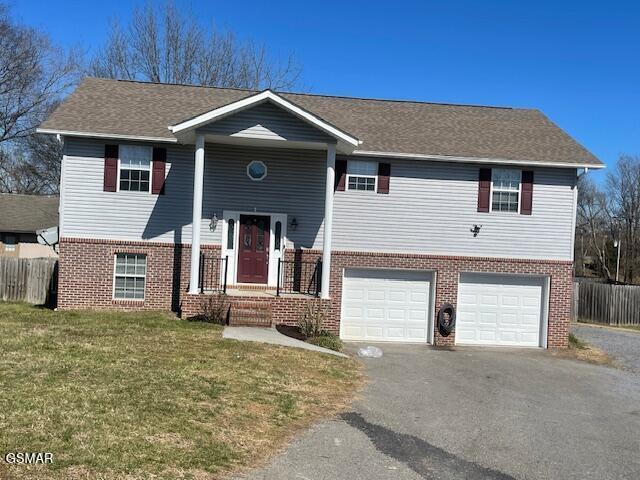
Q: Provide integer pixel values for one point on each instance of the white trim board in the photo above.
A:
(487, 160)
(115, 136)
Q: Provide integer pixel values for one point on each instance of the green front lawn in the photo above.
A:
(144, 395)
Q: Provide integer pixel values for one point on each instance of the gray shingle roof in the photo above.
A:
(113, 107)
(27, 213)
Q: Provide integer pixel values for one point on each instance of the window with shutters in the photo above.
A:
(134, 168)
(362, 175)
(505, 190)
(129, 276)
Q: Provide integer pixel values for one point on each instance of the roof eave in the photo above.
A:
(115, 136)
(484, 160)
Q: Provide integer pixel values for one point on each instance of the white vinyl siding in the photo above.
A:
(294, 185)
(266, 122)
(430, 208)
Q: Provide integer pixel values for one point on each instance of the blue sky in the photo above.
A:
(577, 61)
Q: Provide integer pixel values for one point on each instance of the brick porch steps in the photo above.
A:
(250, 313)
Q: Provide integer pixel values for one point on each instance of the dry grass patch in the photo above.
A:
(635, 328)
(117, 395)
(581, 350)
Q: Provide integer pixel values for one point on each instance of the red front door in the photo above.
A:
(253, 254)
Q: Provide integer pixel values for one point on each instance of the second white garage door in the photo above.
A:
(385, 305)
(499, 310)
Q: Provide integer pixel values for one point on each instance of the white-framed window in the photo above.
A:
(129, 276)
(505, 190)
(257, 170)
(362, 175)
(134, 168)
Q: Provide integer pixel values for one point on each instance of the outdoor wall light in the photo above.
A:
(294, 223)
(475, 230)
(214, 222)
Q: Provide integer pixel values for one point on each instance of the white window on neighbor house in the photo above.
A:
(505, 188)
(129, 276)
(134, 172)
(10, 243)
(362, 175)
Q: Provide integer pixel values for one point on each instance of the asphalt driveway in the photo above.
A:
(622, 345)
(476, 413)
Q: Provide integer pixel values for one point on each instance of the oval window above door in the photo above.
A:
(256, 170)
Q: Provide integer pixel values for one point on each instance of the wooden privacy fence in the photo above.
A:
(29, 280)
(605, 303)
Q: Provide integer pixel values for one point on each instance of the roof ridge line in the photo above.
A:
(345, 97)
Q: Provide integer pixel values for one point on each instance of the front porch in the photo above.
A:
(258, 216)
(298, 272)
(299, 277)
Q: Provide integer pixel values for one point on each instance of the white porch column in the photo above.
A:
(328, 220)
(198, 178)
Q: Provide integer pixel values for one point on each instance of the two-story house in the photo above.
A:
(384, 209)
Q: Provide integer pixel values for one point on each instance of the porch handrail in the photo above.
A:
(293, 275)
(212, 267)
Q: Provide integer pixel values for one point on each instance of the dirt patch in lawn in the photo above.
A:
(145, 395)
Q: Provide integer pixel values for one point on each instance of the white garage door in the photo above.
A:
(385, 306)
(499, 310)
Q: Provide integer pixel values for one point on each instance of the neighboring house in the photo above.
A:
(20, 217)
(388, 209)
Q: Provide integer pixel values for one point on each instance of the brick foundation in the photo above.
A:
(86, 280)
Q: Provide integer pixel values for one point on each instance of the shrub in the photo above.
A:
(214, 309)
(327, 340)
(313, 318)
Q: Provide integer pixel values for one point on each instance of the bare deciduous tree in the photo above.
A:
(623, 194)
(33, 77)
(168, 46)
(592, 223)
(612, 213)
(33, 74)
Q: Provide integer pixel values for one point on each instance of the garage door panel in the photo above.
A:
(396, 314)
(487, 318)
(373, 331)
(418, 315)
(389, 306)
(487, 335)
(496, 309)
(397, 296)
(395, 332)
(510, 301)
(507, 319)
(375, 295)
(419, 297)
(489, 300)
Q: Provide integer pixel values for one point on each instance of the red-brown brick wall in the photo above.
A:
(85, 274)
(86, 280)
